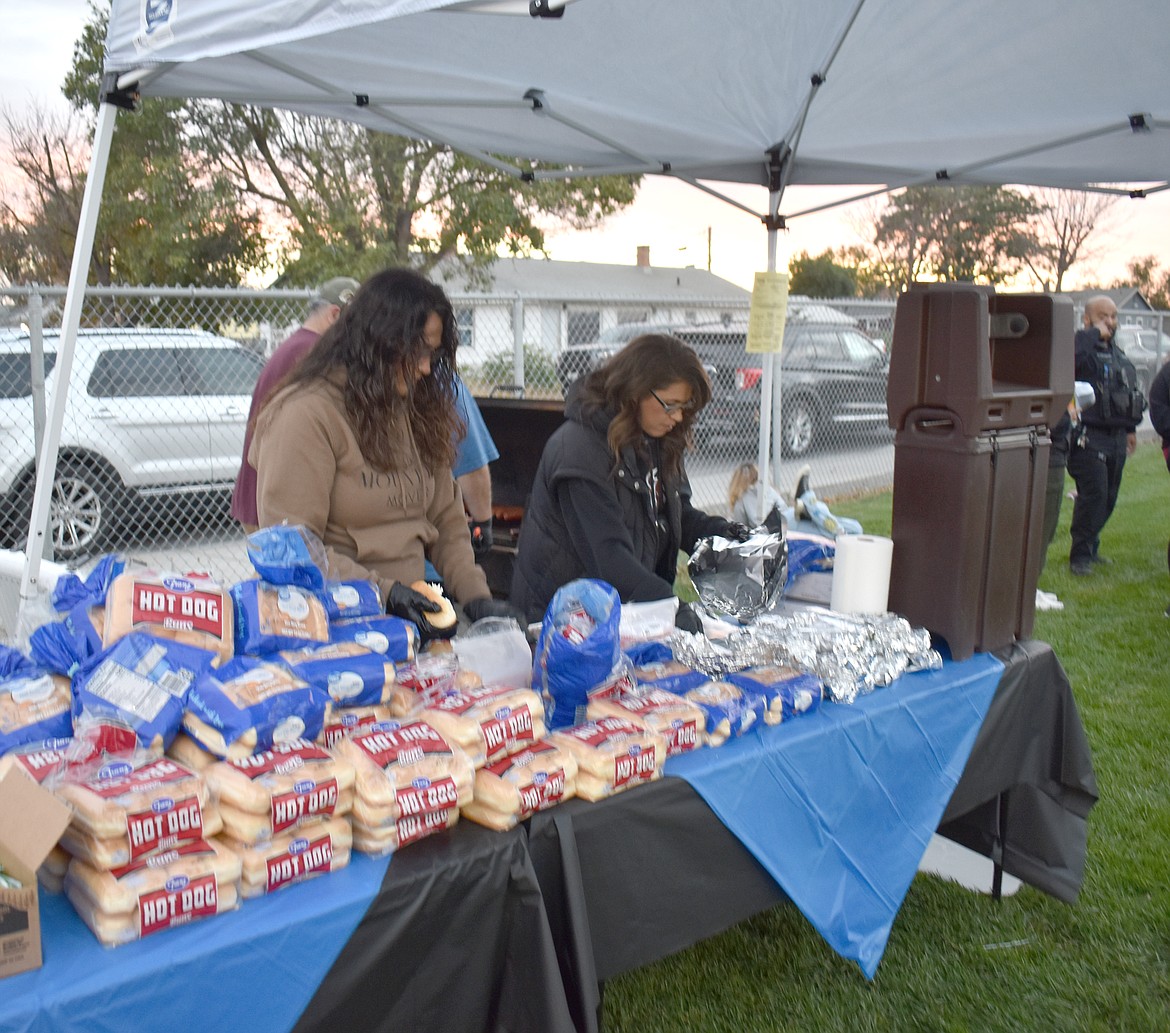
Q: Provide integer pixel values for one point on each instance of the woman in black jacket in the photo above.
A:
(611, 499)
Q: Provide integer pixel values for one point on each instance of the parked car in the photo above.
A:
(833, 377)
(149, 412)
(1146, 349)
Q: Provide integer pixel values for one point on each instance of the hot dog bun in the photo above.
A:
(446, 616)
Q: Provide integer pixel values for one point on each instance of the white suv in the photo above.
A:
(149, 412)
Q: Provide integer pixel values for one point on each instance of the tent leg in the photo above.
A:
(70, 321)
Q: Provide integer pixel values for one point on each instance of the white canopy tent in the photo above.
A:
(877, 93)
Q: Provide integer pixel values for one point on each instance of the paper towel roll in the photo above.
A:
(861, 574)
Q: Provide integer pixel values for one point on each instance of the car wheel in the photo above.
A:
(798, 428)
(81, 509)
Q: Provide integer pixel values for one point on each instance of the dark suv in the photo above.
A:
(833, 377)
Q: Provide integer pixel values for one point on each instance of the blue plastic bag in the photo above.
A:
(71, 591)
(289, 555)
(579, 645)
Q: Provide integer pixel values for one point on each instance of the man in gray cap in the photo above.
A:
(324, 308)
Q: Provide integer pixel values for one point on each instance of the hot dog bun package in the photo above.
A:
(346, 722)
(348, 673)
(123, 811)
(191, 609)
(488, 722)
(248, 705)
(344, 600)
(515, 787)
(272, 617)
(612, 755)
(787, 692)
(668, 674)
(40, 761)
(730, 709)
(191, 881)
(680, 722)
(292, 857)
(578, 647)
(289, 554)
(293, 784)
(395, 638)
(142, 681)
(411, 782)
(34, 705)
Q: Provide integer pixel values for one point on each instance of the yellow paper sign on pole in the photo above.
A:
(769, 311)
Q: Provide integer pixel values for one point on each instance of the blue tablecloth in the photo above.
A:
(255, 968)
(839, 805)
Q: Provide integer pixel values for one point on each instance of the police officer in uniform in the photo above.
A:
(1106, 433)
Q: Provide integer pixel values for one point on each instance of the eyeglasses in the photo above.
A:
(673, 407)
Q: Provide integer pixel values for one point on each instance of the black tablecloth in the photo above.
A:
(652, 871)
(456, 940)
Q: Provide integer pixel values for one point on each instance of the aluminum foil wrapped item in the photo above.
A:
(852, 653)
(739, 580)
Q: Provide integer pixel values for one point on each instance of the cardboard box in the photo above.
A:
(31, 821)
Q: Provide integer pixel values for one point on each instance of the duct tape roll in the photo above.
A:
(861, 574)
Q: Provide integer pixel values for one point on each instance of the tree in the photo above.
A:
(948, 233)
(360, 200)
(1060, 230)
(1154, 283)
(38, 224)
(163, 219)
(821, 277)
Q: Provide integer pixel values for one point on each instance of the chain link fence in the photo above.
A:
(162, 381)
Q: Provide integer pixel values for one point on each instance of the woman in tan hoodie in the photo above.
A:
(357, 446)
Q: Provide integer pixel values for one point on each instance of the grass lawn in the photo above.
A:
(957, 960)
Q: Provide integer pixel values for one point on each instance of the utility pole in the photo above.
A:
(708, 249)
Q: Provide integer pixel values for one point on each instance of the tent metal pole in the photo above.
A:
(70, 321)
(769, 398)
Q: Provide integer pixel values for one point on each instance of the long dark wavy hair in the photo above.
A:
(378, 337)
(648, 363)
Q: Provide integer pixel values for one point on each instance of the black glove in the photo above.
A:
(687, 620)
(739, 532)
(481, 537)
(403, 601)
(477, 609)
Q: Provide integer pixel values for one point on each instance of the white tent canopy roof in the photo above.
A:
(1042, 92)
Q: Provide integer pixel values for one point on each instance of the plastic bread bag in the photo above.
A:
(274, 791)
(730, 709)
(647, 622)
(134, 808)
(497, 650)
(70, 590)
(192, 609)
(393, 637)
(739, 580)
(348, 673)
(196, 880)
(142, 681)
(787, 691)
(248, 705)
(613, 754)
(433, 675)
(578, 647)
(515, 787)
(808, 554)
(345, 599)
(289, 555)
(681, 723)
(39, 760)
(271, 617)
(35, 704)
(65, 645)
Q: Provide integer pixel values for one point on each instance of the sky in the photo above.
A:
(675, 220)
